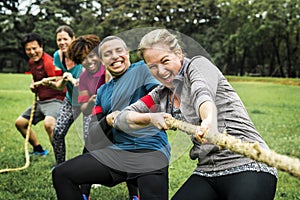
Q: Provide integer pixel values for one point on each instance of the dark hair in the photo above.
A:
(82, 46)
(32, 37)
(67, 29)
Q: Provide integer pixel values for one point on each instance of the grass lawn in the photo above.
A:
(273, 105)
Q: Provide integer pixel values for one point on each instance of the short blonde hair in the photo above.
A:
(158, 36)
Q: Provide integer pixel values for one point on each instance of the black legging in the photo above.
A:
(241, 186)
(85, 169)
(86, 188)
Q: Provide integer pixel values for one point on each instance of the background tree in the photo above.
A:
(243, 37)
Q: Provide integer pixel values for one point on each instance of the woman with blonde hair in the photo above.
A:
(195, 91)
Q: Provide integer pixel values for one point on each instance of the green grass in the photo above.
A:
(273, 105)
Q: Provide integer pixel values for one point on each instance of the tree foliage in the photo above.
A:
(258, 37)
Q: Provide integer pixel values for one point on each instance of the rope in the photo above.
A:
(250, 150)
(74, 81)
(27, 163)
(27, 157)
(37, 83)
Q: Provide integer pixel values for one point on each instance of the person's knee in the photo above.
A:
(21, 122)
(49, 123)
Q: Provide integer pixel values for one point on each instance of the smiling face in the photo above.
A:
(91, 63)
(163, 63)
(115, 57)
(33, 50)
(63, 41)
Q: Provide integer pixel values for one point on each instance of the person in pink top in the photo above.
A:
(84, 51)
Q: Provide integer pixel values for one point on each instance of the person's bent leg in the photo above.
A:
(22, 125)
(63, 123)
(154, 185)
(49, 123)
(68, 176)
(85, 188)
(132, 188)
(51, 110)
(196, 187)
(248, 186)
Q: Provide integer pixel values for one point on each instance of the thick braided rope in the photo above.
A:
(54, 78)
(250, 150)
(27, 163)
(37, 83)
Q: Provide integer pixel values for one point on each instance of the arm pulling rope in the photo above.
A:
(250, 150)
(37, 83)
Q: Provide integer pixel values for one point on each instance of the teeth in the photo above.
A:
(117, 63)
(165, 77)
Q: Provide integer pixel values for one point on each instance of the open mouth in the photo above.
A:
(92, 66)
(167, 78)
(63, 48)
(34, 57)
(116, 64)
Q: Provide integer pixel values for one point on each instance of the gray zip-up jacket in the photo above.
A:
(202, 81)
(199, 81)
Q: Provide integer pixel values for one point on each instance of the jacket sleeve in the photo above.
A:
(144, 105)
